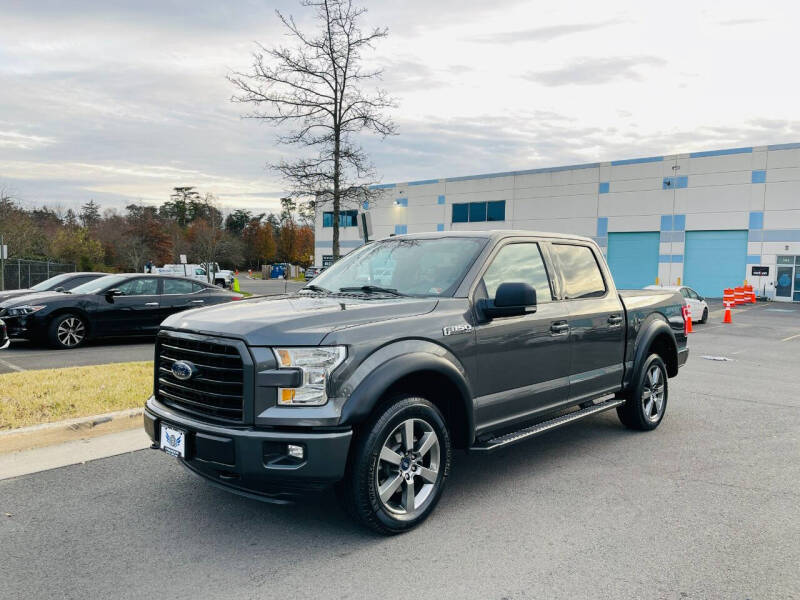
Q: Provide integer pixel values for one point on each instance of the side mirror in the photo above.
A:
(59, 289)
(112, 293)
(511, 300)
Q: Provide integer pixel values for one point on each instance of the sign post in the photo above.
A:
(3, 257)
(183, 262)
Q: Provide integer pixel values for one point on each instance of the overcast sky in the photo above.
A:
(121, 101)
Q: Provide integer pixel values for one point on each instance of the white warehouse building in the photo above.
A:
(709, 220)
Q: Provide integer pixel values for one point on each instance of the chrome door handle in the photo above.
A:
(614, 320)
(197, 301)
(559, 327)
(151, 304)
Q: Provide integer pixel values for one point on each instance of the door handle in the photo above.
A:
(197, 301)
(614, 320)
(151, 304)
(559, 327)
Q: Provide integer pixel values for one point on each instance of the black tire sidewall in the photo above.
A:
(365, 463)
(52, 328)
(705, 316)
(632, 413)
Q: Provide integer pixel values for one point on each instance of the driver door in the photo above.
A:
(523, 361)
(136, 310)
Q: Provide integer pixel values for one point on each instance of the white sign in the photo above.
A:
(4, 251)
(183, 259)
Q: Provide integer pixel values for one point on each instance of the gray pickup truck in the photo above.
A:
(403, 350)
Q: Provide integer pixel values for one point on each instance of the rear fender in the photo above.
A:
(654, 328)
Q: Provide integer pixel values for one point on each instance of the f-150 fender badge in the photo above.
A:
(453, 329)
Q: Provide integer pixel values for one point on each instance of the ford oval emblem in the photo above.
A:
(183, 370)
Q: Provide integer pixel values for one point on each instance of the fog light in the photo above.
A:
(295, 451)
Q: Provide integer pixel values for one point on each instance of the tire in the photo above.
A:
(67, 331)
(642, 410)
(382, 459)
(705, 316)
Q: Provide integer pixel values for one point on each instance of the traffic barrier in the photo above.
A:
(687, 320)
(727, 317)
(738, 294)
(749, 294)
(728, 296)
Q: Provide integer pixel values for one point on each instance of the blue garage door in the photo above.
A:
(714, 260)
(633, 258)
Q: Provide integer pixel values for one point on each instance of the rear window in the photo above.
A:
(581, 273)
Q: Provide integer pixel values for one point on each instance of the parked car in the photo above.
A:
(114, 305)
(696, 303)
(58, 283)
(4, 339)
(483, 339)
(312, 272)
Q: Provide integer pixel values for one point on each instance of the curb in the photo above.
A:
(47, 434)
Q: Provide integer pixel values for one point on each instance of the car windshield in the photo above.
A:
(409, 267)
(53, 282)
(101, 283)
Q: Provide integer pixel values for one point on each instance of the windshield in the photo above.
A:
(53, 282)
(102, 283)
(412, 267)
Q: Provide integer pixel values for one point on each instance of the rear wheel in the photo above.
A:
(398, 467)
(67, 331)
(705, 316)
(647, 402)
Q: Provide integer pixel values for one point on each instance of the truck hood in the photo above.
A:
(298, 320)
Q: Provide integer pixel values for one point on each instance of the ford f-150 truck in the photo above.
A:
(403, 350)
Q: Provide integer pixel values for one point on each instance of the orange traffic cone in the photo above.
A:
(689, 320)
(727, 317)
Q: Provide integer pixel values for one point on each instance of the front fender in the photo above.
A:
(391, 363)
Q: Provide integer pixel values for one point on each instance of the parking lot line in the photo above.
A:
(11, 366)
(791, 337)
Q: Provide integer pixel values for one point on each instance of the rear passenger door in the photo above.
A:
(523, 361)
(596, 321)
(180, 294)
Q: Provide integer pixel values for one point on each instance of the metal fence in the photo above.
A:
(19, 273)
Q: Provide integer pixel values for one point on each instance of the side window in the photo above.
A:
(692, 294)
(77, 281)
(519, 263)
(685, 292)
(178, 286)
(197, 287)
(199, 271)
(582, 277)
(142, 286)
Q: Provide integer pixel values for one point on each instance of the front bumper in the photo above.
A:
(252, 461)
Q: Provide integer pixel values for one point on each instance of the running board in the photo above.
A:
(534, 430)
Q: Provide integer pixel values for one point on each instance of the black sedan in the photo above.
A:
(114, 305)
(58, 283)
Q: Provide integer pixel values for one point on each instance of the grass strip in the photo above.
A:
(47, 395)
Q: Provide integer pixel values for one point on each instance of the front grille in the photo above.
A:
(215, 392)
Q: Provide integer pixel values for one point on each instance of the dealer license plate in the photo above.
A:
(173, 440)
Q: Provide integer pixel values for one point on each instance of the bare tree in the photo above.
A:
(318, 87)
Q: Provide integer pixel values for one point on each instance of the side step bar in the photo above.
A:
(534, 430)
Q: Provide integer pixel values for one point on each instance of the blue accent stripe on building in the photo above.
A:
(440, 227)
(400, 229)
(602, 226)
(603, 187)
(383, 186)
(792, 146)
(672, 236)
(440, 199)
(755, 235)
(423, 182)
(636, 161)
(670, 183)
(753, 259)
(670, 258)
(601, 240)
(720, 152)
(401, 202)
(679, 223)
(758, 177)
(781, 235)
(328, 244)
(756, 220)
(666, 222)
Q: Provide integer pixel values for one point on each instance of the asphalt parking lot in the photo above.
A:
(704, 507)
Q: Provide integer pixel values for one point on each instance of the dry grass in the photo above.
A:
(34, 397)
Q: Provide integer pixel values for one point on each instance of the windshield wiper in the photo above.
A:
(316, 288)
(372, 289)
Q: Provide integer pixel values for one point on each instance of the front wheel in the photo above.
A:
(646, 403)
(398, 466)
(67, 331)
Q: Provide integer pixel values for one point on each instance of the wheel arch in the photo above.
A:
(657, 337)
(70, 310)
(432, 376)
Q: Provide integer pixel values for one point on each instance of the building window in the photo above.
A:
(400, 229)
(478, 212)
(460, 213)
(347, 218)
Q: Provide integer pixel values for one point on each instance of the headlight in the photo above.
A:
(19, 311)
(316, 365)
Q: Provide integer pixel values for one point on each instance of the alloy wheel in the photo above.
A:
(408, 467)
(71, 332)
(653, 394)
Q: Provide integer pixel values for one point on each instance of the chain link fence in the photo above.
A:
(20, 273)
